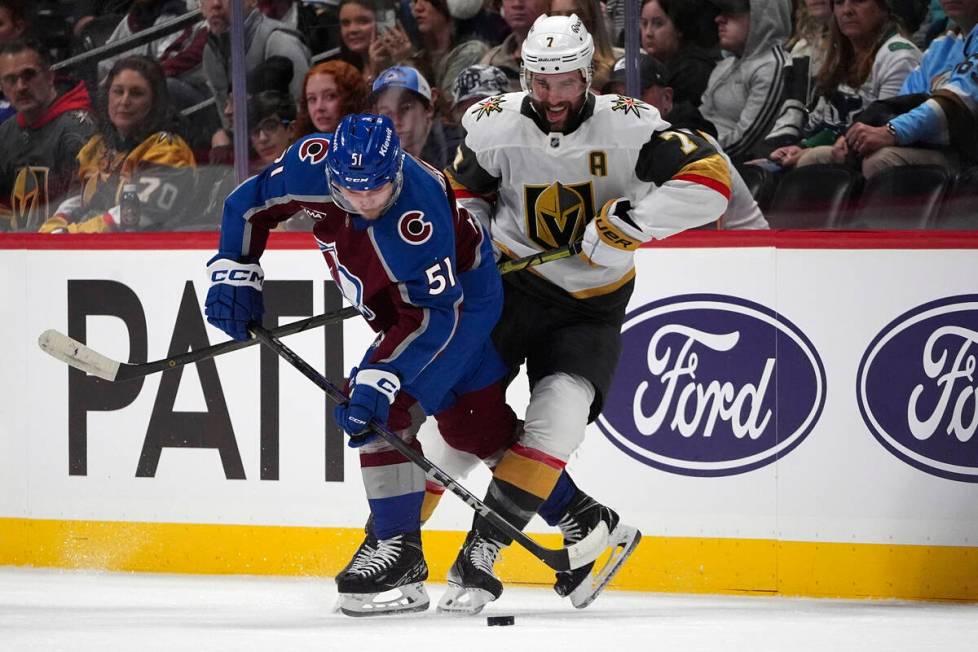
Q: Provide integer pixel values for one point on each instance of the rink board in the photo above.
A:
(794, 413)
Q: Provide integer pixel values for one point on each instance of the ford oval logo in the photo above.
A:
(918, 391)
(712, 385)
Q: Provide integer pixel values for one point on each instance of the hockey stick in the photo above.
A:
(74, 353)
(79, 356)
(581, 553)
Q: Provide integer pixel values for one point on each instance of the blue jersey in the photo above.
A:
(404, 271)
(949, 115)
(939, 60)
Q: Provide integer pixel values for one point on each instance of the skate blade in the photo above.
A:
(464, 601)
(623, 541)
(406, 599)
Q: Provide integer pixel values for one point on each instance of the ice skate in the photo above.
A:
(385, 576)
(366, 549)
(471, 581)
(583, 585)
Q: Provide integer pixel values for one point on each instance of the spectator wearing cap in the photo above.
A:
(744, 92)
(868, 60)
(658, 91)
(476, 83)
(742, 210)
(445, 53)
(682, 34)
(519, 15)
(472, 84)
(331, 90)
(264, 38)
(404, 95)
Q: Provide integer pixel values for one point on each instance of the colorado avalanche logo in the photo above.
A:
(489, 106)
(414, 229)
(313, 151)
(629, 105)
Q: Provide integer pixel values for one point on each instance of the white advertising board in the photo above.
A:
(764, 393)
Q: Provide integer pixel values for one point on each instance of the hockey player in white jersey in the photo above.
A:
(545, 167)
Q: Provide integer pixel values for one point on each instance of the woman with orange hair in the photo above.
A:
(330, 91)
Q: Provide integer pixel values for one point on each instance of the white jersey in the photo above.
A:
(540, 189)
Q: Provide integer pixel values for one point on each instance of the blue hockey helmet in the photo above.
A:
(365, 153)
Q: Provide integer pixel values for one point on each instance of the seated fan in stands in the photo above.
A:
(134, 145)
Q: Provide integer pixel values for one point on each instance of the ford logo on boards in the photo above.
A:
(712, 385)
(917, 388)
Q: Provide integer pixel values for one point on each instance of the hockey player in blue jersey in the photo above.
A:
(422, 273)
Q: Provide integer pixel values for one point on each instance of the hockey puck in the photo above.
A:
(493, 621)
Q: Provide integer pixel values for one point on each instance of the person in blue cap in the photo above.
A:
(404, 95)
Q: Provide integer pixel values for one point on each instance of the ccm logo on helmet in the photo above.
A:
(314, 150)
(414, 229)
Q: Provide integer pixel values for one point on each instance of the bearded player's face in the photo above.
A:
(558, 97)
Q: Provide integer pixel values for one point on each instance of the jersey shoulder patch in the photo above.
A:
(631, 121)
(489, 119)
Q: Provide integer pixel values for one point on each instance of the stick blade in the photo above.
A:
(74, 353)
(590, 547)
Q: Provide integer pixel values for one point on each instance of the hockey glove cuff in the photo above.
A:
(611, 238)
(234, 299)
(374, 390)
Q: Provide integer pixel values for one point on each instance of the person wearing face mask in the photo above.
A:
(134, 146)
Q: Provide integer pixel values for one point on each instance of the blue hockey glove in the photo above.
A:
(611, 238)
(234, 299)
(373, 393)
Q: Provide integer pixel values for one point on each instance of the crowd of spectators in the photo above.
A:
(777, 84)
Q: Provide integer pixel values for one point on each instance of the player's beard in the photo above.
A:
(566, 112)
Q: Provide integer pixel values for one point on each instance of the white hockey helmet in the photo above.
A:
(557, 44)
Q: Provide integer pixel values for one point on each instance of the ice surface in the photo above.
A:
(91, 611)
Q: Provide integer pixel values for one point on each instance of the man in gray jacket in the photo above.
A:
(264, 38)
(744, 93)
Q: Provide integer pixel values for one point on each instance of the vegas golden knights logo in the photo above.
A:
(29, 199)
(557, 214)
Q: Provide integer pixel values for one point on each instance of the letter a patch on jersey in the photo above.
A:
(557, 214)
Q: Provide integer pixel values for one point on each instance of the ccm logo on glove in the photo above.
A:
(237, 274)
